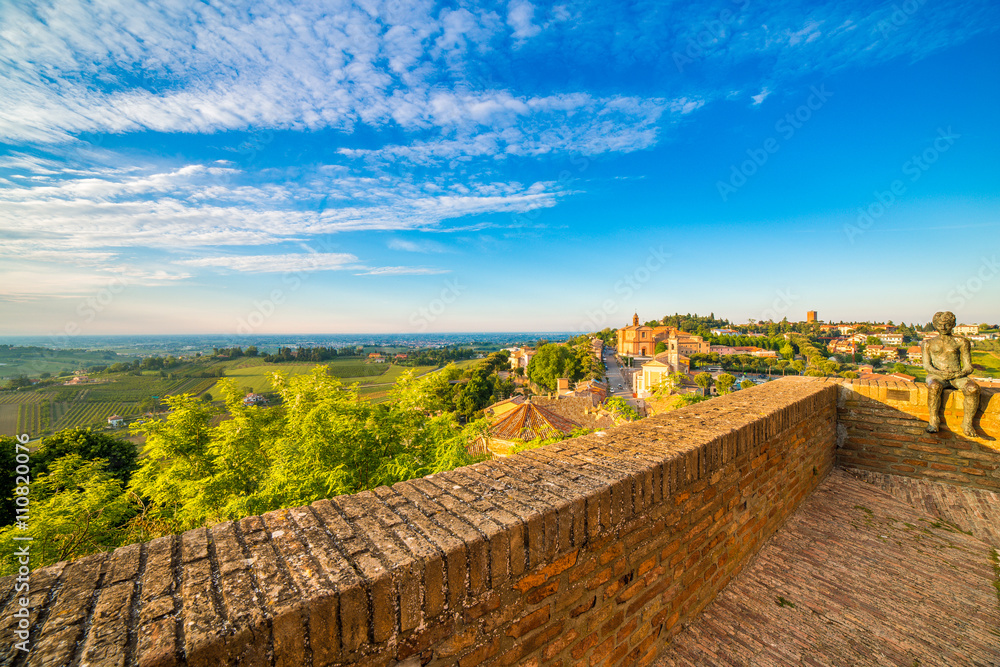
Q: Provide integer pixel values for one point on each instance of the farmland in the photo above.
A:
(47, 408)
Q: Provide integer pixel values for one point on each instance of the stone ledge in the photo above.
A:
(382, 575)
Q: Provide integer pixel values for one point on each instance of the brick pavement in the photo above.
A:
(856, 577)
(974, 510)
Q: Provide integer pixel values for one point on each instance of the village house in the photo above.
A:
(638, 340)
(520, 357)
(116, 421)
(841, 346)
(966, 329)
(254, 399)
(656, 371)
(881, 352)
(914, 354)
(894, 339)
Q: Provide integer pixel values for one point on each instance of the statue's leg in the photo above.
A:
(970, 391)
(934, 390)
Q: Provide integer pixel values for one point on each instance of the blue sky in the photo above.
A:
(222, 167)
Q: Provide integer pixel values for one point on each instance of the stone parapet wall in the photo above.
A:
(883, 429)
(593, 550)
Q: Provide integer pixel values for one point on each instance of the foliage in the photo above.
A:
(77, 508)
(552, 362)
(724, 383)
(540, 442)
(703, 380)
(609, 336)
(8, 475)
(668, 384)
(621, 410)
(323, 440)
(746, 384)
(119, 454)
(574, 360)
(690, 399)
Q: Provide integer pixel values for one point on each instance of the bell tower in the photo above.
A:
(635, 320)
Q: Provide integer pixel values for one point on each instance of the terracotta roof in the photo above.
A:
(516, 398)
(583, 410)
(529, 421)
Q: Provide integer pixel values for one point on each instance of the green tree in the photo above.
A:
(746, 384)
(724, 383)
(703, 380)
(660, 347)
(77, 508)
(898, 368)
(120, 455)
(8, 477)
(177, 461)
(552, 362)
(621, 410)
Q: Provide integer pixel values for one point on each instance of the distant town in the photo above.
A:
(130, 442)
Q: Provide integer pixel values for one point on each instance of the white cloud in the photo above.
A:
(519, 17)
(288, 263)
(402, 271)
(761, 96)
(415, 246)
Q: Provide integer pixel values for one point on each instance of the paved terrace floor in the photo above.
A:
(858, 576)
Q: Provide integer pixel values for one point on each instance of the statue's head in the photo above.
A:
(944, 322)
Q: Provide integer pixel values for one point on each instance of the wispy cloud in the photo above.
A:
(416, 246)
(296, 262)
(401, 271)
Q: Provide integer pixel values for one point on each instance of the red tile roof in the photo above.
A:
(529, 421)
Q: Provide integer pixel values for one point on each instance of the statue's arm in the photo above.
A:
(966, 359)
(932, 370)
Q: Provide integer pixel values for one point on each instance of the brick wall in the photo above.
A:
(882, 425)
(591, 551)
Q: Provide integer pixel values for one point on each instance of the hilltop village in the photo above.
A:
(657, 366)
(129, 446)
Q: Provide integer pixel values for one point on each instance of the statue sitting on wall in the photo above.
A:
(948, 362)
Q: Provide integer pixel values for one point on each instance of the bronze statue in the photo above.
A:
(948, 362)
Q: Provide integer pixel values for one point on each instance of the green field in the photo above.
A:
(990, 362)
(32, 362)
(988, 365)
(45, 410)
